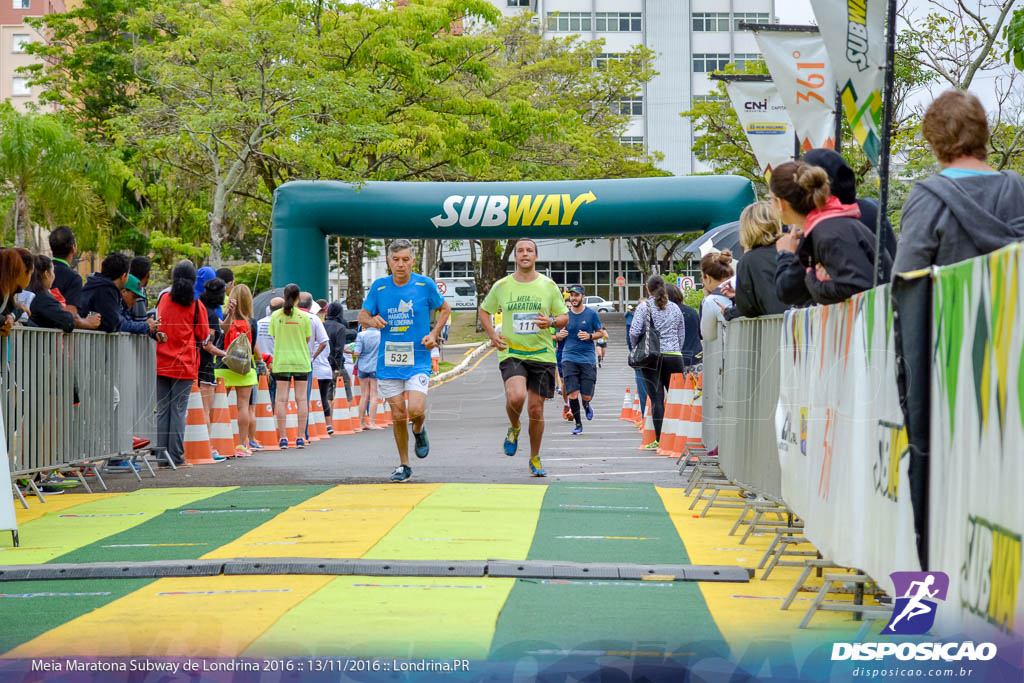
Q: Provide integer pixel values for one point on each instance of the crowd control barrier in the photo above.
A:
(841, 445)
(70, 398)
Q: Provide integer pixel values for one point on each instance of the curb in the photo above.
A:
(461, 368)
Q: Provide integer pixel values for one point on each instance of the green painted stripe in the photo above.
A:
(196, 528)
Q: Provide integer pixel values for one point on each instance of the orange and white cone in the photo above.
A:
(317, 421)
(233, 408)
(627, 405)
(221, 439)
(197, 437)
(672, 428)
(648, 434)
(266, 426)
(291, 419)
(697, 411)
(341, 415)
(635, 416)
(382, 418)
(357, 391)
(687, 436)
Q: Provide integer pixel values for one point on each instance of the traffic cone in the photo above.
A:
(220, 423)
(671, 428)
(317, 420)
(341, 414)
(197, 437)
(291, 420)
(687, 436)
(382, 419)
(697, 411)
(635, 415)
(648, 434)
(266, 427)
(233, 408)
(646, 413)
(627, 405)
(357, 393)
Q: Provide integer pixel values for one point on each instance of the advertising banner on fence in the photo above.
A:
(842, 443)
(800, 69)
(853, 32)
(765, 121)
(977, 436)
(8, 522)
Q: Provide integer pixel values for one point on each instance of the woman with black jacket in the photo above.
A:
(45, 311)
(828, 255)
(755, 275)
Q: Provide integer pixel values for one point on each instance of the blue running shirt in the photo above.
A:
(407, 312)
(577, 350)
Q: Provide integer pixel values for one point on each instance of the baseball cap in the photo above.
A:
(133, 286)
(577, 289)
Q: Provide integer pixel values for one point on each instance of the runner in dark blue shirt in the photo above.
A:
(579, 360)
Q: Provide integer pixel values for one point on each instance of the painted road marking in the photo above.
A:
(612, 538)
(609, 457)
(631, 584)
(215, 512)
(574, 506)
(228, 592)
(613, 474)
(407, 585)
(50, 595)
(118, 514)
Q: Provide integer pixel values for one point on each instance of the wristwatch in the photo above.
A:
(552, 320)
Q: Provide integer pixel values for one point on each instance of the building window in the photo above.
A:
(569, 21)
(710, 21)
(750, 18)
(709, 98)
(743, 58)
(619, 22)
(19, 86)
(20, 40)
(22, 4)
(705, 63)
(602, 59)
(628, 106)
(518, 3)
(632, 141)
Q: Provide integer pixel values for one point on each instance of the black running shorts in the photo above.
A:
(540, 377)
(581, 377)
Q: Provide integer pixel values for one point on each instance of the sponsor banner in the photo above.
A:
(800, 68)
(854, 35)
(841, 439)
(8, 522)
(976, 510)
(764, 120)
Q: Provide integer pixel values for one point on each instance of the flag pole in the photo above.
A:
(883, 157)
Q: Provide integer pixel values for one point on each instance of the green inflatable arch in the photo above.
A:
(306, 212)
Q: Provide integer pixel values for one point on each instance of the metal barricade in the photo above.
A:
(741, 392)
(69, 398)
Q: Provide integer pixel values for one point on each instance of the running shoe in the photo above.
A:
(578, 429)
(121, 466)
(300, 443)
(536, 469)
(283, 444)
(589, 412)
(401, 473)
(255, 445)
(240, 452)
(217, 457)
(653, 446)
(422, 444)
(57, 481)
(567, 413)
(512, 440)
(139, 442)
(330, 430)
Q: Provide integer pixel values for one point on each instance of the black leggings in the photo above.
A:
(656, 382)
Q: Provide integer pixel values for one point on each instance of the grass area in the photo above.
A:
(444, 366)
(463, 329)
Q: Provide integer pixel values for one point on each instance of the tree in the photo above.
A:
(53, 176)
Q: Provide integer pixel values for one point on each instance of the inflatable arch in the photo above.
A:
(306, 212)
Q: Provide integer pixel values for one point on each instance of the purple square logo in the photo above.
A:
(914, 603)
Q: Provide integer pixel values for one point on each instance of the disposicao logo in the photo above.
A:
(514, 210)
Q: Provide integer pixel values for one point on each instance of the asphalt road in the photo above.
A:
(466, 425)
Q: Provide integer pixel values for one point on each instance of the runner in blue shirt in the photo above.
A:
(400, 306)
(579, 361)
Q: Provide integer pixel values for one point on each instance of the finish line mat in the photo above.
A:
(475, 618)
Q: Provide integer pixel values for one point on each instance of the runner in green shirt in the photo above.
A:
(530, 304)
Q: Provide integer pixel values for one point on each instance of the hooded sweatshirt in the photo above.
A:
(946, 221)
(843, 183)
(101, 295)
(334, 324)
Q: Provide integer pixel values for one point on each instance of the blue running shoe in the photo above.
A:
(536, 469)
(283, 444)
(578, 429)
(512, 440)
(401, 473)
(589, 411)
(300, 443)
(422, 445)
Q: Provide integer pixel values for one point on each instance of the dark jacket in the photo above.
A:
(755, 285)
(946, 221)
(847, 251)
(691, 342)
(128, 324)
(139, 312)
(843, 183)
(102, 296)
(334, 325)
(48, 313)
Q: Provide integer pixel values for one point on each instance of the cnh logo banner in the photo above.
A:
(914, 608)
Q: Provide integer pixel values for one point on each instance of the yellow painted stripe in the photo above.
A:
(475, 365)
(54, 504)
(345, 521)
(160, 619)
(746, 611)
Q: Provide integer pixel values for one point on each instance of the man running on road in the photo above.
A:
(579, 362)
(530, 304)
(400, 306)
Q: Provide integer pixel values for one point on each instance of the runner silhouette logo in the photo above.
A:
(914, 607)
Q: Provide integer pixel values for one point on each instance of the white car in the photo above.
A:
(598, 304)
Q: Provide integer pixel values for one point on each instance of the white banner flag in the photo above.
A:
(7, 519)
(765, 121)
(854, 35)
(800, 69)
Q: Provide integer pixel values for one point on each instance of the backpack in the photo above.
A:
(238, 356)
